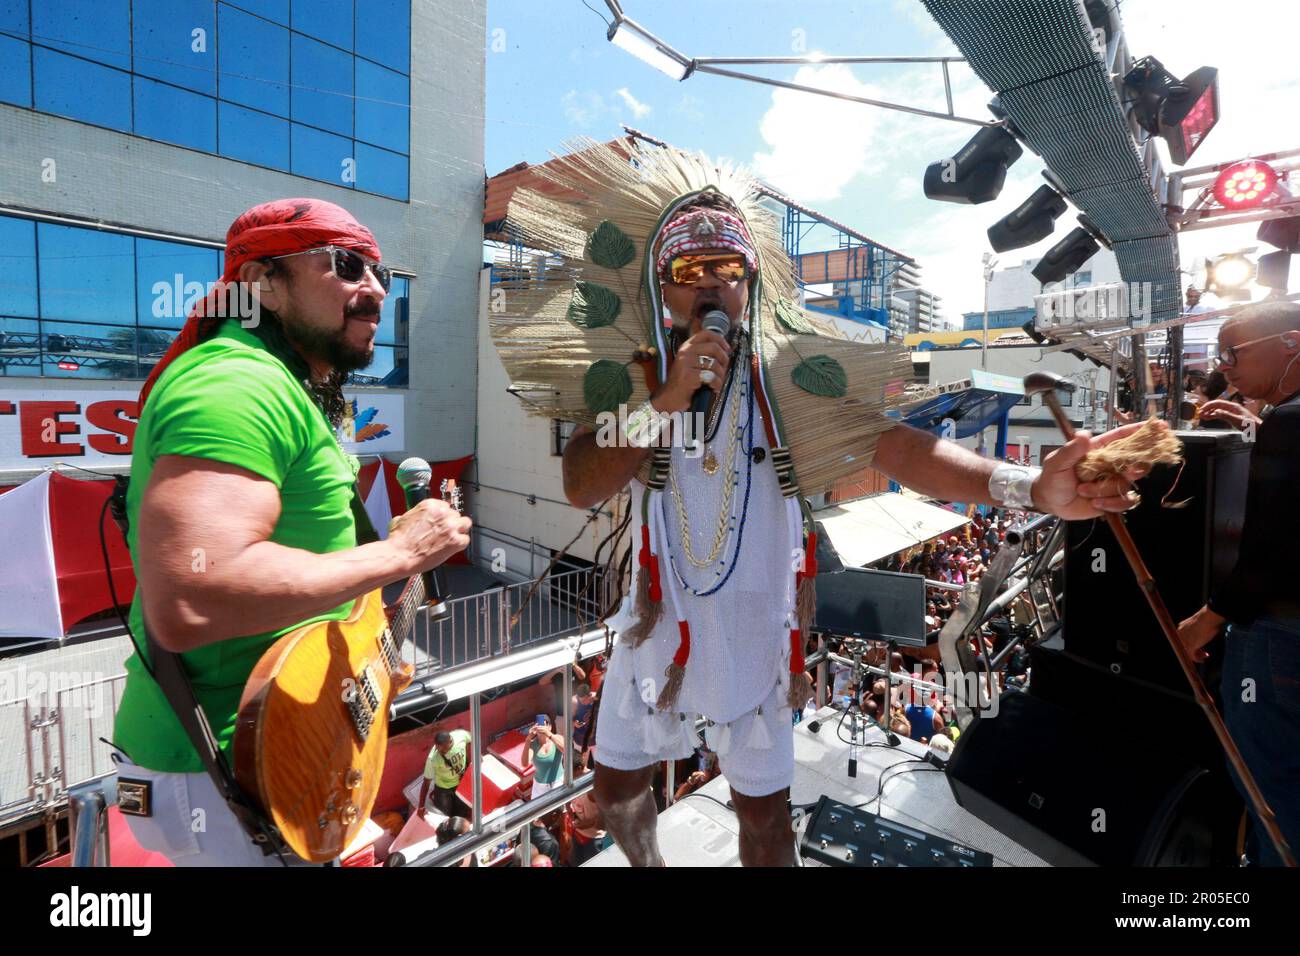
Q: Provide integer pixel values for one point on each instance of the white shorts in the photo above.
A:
(755, 761)
(190, 824)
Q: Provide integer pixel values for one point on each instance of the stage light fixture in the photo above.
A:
(1228, 275)
(1066, 256)
(1181, 112)
(1274, 271)
(1283, 233)
(1032, 220)
(628, 39)
(976, 172)
(1245, 185)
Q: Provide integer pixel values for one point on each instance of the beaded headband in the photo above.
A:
(702, 229)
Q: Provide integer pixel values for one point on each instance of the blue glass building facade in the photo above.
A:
(318, 88)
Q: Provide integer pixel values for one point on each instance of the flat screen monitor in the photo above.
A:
(872, 605)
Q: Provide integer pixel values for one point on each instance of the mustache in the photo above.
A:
(367, 308)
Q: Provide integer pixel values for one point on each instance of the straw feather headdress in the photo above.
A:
(570, 323)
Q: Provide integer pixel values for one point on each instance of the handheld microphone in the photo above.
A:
(414, 476)
(715, 320)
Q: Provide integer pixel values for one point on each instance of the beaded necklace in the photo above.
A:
(732, 525)
(725, 517)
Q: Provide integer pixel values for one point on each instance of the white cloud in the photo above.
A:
(817, 144)
(690, 107)
(583, 108)
(638, 108)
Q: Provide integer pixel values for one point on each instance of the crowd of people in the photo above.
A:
(958, 558)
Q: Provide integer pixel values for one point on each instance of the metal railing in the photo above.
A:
(482, 626)
(52, 744)
(50, 741)
(468, 683)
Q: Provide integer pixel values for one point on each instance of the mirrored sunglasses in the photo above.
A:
(687, 270)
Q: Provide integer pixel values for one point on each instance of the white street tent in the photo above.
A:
(869, 529)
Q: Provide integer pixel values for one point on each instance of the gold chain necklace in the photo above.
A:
(728, 487)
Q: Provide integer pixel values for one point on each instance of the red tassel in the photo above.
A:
(684, 647)
(656, 590)
(676, 671)
(647, 604)
(800, 682)
(810, 555)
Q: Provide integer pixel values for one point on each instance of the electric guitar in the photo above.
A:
(312, 730)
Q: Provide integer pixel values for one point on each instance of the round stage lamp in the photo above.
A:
(1245, 185)
(1232, 272)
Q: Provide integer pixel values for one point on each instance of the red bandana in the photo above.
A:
(275, 228)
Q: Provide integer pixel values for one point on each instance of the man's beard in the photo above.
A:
(326, 345)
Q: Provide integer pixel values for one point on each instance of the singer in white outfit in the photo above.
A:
(719, 541)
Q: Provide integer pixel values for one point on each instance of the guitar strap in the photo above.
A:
(174, 680)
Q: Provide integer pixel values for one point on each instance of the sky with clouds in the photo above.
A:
(552, 76)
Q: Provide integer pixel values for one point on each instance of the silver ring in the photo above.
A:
(706, 361)
(706, 377)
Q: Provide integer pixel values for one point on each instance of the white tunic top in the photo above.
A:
(739, 634)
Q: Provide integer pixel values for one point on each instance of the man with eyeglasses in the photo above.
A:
(241, 525)
(1260, 356)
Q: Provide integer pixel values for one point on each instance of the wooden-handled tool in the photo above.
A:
(1046, 383)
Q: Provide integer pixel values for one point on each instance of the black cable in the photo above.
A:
(704, 796)
(596, 12)
(885, 777)
(112, 592)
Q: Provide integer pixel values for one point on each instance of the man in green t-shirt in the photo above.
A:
(239, 504)
(444, 768)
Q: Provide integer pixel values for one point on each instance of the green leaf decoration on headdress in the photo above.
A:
(609, 246)
(593, 305)
(791, 316)
(821, 375)
(606, 386)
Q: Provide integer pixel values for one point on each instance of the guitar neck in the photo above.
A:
(415, 594)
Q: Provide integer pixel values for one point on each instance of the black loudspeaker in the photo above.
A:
(1084, 789)
(1189, 550)
(1086, 687)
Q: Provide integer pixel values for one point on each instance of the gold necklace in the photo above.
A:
(710, 463)
(722, 534)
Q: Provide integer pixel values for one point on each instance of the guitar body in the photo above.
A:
(312, 730)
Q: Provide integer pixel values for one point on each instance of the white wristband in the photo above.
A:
(1012, 485)
(643, 426)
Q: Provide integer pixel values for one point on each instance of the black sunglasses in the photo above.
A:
(348, 265)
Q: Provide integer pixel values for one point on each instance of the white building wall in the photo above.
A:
(515, 462)
(1014, 287)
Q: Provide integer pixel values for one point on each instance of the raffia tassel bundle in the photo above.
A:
(1152, 444)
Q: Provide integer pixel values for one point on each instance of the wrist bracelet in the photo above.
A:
(1012, 486)
(643, 426)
